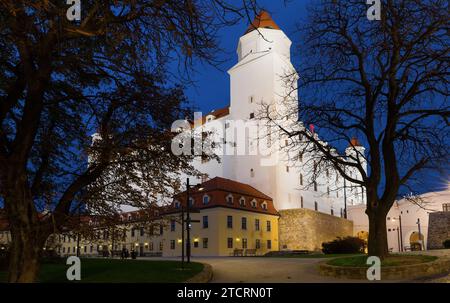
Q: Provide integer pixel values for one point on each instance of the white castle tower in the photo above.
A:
(259, 77)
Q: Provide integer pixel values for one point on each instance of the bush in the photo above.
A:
(446, 243)
(348, 245)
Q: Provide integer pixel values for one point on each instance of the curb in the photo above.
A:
(202, 277)
(414, 271)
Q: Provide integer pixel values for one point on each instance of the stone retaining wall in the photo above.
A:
(306, 229)
(407, 272)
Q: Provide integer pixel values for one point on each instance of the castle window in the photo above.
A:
(244, 223)
(242, 201)
(446, 207)
(205, 199)
(269, 244)
(254, 203)
(252, 173)
(177, 204)
(257, 224)
(258, 244)
(230, 242)
(264, 204)
(229, 221)
(230, 199)
(268, 226)
(191, 201)
(252, 115)
(315, 206)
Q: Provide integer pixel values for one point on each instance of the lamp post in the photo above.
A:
(182, 236)
(422, 242)
(188, 222)
(401, 232)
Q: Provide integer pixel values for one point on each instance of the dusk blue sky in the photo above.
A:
(211, 89)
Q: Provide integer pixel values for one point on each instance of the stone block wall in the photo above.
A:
(438, 229)
(306, 229)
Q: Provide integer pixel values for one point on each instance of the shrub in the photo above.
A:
(446, 243)
(348, 245)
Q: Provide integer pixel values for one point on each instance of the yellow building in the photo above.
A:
(228, 218)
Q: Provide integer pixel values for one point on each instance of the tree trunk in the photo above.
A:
(27, 234)
(377, 244)
(25, 253)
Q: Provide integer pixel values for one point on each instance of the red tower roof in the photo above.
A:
(262, 20)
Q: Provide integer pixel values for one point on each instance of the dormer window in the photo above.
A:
(209, 118)
(254, 203)
(229, 199)
(205, 199)
(177, 204)
(191, 201)
(264, 205)
(242, 201)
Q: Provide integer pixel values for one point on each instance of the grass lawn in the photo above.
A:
(311, 255)
(119, 271)
(392, 260)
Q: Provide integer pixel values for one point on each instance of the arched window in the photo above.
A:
(254, 203)
(229, 199)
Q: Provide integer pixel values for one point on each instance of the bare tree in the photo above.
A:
(61, 81)
(385, 82)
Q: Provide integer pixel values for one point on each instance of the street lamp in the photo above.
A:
(421, 239)
(188, 222)
(401, 233)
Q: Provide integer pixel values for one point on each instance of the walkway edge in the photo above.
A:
(202, 277)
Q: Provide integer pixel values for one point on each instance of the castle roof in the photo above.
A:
(262, 20)
(218, 189)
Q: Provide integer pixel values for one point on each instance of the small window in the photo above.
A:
(205, 199)
(269, 244)
(264, 204)
(230, 242)
(172, 225)
(205, 242)
(332, 212)
(258, 244)
(242, 201)
(227, 125)
(244, 223)
(230, 199)
(315, 186)
(301, 179)
(287, 169)
(446, 207)
(254, 203)
(328, 191)
(252, 172)
(229, 221)
(205, 221)
(300, 156)
(172, 244)
(316, 207)
(257, 224)
(252, 115)
(196, 243)
(268, 226)
(250, 99)
(177, 204)
(191, 201)
(301, 201)
(244, 243)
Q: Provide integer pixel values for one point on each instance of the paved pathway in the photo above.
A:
(284, 270)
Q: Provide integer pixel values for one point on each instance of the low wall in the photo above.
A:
(406, 272)
(306, 229)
